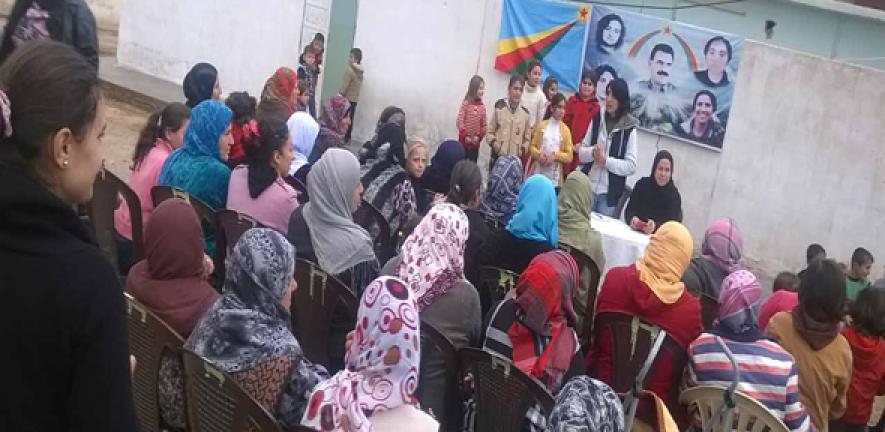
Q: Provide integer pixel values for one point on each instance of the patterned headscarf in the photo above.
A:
(739, 301)
(331, 135)
(535, 215)
(723, 245)
(665, 260)
(433, 255)
(280, 86)
(586, 405)
(382, 363)
(199, 83)
(504, 183)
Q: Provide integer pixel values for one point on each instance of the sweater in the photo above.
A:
(471, 123)
(534, 100)
(868, 376)
(65, 361)
(853, 287)
(143, 179)
(824, 375)
(781, 301)
(272, 208)
(352, 82)
(562, 157)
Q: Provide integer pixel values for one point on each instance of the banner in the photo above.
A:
(552, 33)
(681, 77)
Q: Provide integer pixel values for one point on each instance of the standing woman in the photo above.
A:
(67, 21)
(201, 83)
(333, 125)
(551, 149)
(655, 199)
(72, 370)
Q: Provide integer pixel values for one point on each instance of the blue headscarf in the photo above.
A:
(439, 173)
(535, 214)
(197, 166)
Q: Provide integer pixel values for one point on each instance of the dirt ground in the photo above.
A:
(124, 124)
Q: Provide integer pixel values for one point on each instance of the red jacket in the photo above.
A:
(578, 114)
(868, 376)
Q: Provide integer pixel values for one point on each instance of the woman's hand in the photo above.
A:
(348, 341)
(635, 223)
(649, 227)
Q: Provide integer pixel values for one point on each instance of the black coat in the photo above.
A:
(65, 356)
(650, 201)
(70, 22)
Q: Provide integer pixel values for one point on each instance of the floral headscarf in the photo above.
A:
(382, 363)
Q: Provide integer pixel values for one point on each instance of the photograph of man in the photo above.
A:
(654, 102)
(610, 33)
(660, 62)
(717, 54)
(606, 75)
(702, 125)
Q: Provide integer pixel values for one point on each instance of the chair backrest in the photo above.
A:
(751, 416)
(494, 284)
(105, 194)
(434, 344)
(503, 394)
(299, 187)
(204, 211)
(215, 402)
(313, 307)
(590, 276)
(149, 339)
(622, 202)
(231, 226)
(370, 218)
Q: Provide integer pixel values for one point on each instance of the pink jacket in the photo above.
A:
(143, 179)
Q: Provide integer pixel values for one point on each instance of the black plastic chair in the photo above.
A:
(434, 344)
(231, 226)
(622, 202)
(204, 211)
(105, 197)
(370, 218)
(589, 280)
(494, 284)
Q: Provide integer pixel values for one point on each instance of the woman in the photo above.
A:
(531, 231)
(606, 75)
(333, 125)
(702, 124)
(172, 282)
(247, 332)
(465, 193)
(574, 203)
(71, 370)
(652, 291)
(505, 181)
(257, 188)
(721, 253)
(436, 179)
(551, 149)
(67, 21)
(611, 149)
(811, 334)
(767, 372)
(585, 405)
(377, 390)
(610, 34)
(304, 130)
(655, 199)
(391, 114)
(200, 84)
(281, 88)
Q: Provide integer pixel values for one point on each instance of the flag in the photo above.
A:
(550, 32)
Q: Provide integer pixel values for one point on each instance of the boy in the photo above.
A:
(306, 73)
(303, 96)
(351, 85)
(861, 263)
(580, 110)
(784, 298)
(510, 130)
(812, 253)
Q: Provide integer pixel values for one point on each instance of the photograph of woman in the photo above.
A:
(610, 33)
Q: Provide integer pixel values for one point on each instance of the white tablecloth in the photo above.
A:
(621, 245)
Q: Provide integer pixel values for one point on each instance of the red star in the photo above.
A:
(582, 14)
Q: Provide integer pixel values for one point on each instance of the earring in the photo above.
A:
(65, 163)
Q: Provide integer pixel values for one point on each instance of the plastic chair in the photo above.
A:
(589, 279)
(231, 226)
(753, 417)
(105, 192)
(622, 202)
(494, 284)
(205, 213)
(215, 402)
(370, 218)
(149, 339)
(313, 309)
(299, 187)
(503, 394)
(435, 344)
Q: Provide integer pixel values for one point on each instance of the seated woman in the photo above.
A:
(257, 188)
(505, 180)
(377, 390)
(532, 229)
(333, 125)
(390, 115)
(655, 199)
(282, 88)
(652, 291)
(721, 253)
(574, 203)
(247, 332)
(432, 265)
(551, 149)
(585, 404)
(767, 372)
(304, 130)
(464, 192)
(811, 334)
(435, 180)
(172, 282)
(201, 84)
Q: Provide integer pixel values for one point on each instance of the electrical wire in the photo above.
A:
(692, 6)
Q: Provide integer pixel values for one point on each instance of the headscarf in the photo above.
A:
(504, 183)
(169, 281)
(723, 245)
(382, 177)
(338, 242)
(543, 310)
(331, 134)
(437, 176)
(661, 198)
(390, 115)
(432, 258)
(280, 86)
(382, 363)
(574, 203)
(208, 121)
(304, 130)
(535, 214)
(586, 405)
(199, 83)
(739, 301)
(249, 325)
(665, 260)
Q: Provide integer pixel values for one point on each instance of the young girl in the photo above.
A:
(472, 118)
(580, 110)
(533, 97)
(551, 149)
(550, 88)
(243, 107)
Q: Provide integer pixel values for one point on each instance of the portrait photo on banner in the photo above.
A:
(681, 77)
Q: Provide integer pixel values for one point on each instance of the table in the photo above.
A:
(621, 244)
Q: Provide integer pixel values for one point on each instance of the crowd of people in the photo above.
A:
(811, 353)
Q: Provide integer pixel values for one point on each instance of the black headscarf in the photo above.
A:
(199, 83)
(652, 201)
(437, 176)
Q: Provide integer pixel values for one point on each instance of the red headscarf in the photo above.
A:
(280, 86)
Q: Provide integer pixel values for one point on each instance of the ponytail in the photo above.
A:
(465, 182)
(159, 124)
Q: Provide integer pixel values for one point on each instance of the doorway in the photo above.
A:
(339, 41)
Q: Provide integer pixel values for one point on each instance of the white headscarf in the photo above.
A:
(303, 129)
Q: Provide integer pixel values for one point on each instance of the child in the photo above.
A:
(551, 149)
(784, 298)
(579, 112)
(867, 350)
(472, 118)
(812, 253)
(243, 107)
(303, 96)
(351, 85)
(533, 98)
(861, 262)
(551, 87)
(306, 73)
(510, 129)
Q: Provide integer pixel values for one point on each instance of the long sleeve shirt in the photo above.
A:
(623, 167)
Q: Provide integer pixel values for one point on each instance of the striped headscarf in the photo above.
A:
(739, 301)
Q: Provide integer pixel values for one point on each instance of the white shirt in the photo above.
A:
(551, 140)
(623, 167)
(534, 100)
